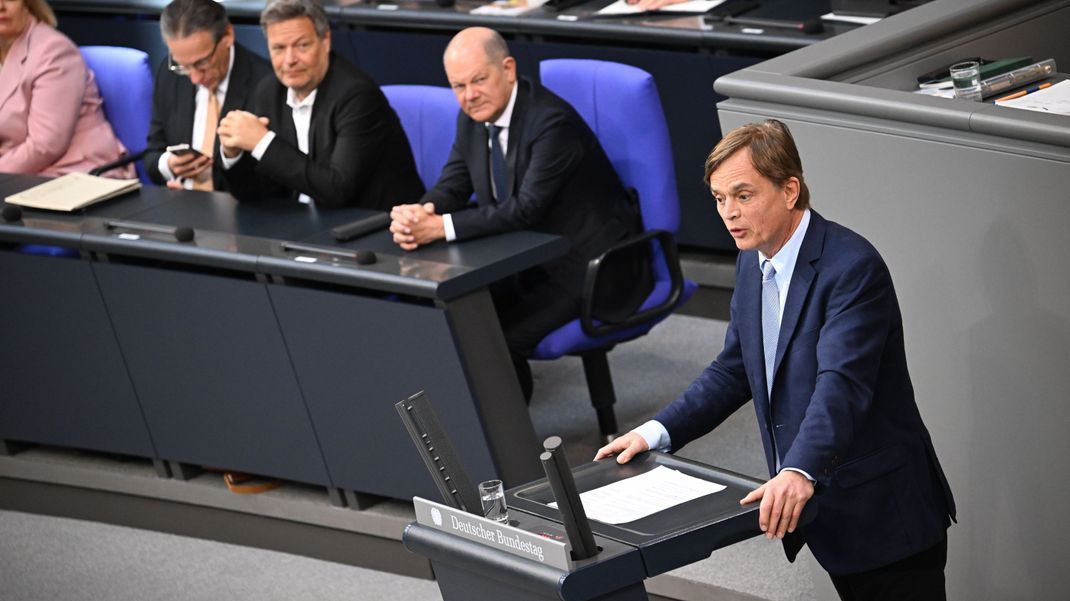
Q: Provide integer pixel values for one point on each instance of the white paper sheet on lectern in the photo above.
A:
(646, 494)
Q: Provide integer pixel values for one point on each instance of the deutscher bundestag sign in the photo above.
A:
(492, 534)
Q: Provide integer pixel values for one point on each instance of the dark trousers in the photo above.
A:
(529, 307)
(919, 577)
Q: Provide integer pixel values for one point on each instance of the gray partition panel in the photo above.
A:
(211, 370)
(967, 204)
(64, 378)
(355, 357)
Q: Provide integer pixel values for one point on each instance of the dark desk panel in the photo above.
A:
(211, 371)
(65, 382)
(355, 357)
(247, 356)
(281, 219)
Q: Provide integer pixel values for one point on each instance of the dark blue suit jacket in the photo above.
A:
(842, 405)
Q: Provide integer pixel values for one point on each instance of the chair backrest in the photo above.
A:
(621, 104)
(429, 116)
(125, 82)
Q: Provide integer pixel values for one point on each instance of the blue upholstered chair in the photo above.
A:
(125, 81)
(429, 117)
(621, 105)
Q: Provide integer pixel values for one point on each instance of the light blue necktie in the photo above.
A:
(770, 320)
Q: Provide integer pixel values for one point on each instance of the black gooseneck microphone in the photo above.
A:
(563, 486)
(182, 233)
(807, 26)
(12, 213)
(361, 227)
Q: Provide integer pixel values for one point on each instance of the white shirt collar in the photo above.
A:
(507, 114)
(291, 99)
(785, 258)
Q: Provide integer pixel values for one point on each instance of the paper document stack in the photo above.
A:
(72, 192)
(508, 8)
(620, 7)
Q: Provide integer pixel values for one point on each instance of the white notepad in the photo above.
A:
(72, 192)
(646, 494)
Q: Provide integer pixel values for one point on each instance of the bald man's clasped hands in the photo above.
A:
(415, 225)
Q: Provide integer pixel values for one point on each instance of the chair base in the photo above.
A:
(600, 386)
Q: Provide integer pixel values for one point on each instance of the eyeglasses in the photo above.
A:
(199, 65)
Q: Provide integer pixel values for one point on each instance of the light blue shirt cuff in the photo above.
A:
(795, 469)
(655, 435)
(447, 224)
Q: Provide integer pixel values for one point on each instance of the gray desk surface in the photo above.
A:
(248, 236)
(682, 31)
(865, 73)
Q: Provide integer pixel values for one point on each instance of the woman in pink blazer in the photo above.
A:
(51, 114)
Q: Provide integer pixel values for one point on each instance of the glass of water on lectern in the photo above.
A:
(492, 495)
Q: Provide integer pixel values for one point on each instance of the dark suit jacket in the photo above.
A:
(358, 153)
(173, 104)
(843, 407)
(560, 182)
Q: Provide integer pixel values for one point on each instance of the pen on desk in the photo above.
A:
(1021, 93)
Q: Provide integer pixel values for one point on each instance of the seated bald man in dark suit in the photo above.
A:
(322, 131)
(553, 177)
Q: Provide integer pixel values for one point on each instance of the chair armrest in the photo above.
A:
(122, 161)
(672, 260)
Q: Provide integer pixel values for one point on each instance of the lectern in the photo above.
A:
(532, 558)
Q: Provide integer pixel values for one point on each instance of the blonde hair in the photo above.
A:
(42, 11)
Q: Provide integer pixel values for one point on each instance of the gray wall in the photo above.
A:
(976, 240)
(969, 205)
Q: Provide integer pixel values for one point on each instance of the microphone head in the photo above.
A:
(12, 213)
(812, 26)
(366, 257)
(184, 233)
(552, 443)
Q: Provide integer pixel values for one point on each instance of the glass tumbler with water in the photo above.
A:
(966, 79)
(492, 495)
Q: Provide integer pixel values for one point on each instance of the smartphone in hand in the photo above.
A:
(183, 150)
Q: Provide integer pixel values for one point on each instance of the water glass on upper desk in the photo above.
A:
(966, 79)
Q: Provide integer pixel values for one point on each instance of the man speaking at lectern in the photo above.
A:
(816, 339)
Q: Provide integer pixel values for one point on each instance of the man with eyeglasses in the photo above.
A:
(322, 131)
(205, 75)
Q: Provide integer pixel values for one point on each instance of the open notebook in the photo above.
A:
(72, 192)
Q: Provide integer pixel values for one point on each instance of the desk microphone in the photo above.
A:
(362, 257)
(182, 233)
(807, 26)
(12, 213)
(361, 227)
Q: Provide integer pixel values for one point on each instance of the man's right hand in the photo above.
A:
(188, 166)
(625, 447)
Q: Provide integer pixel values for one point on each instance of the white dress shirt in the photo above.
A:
(503, 139)
(653, 432)
(200, 112)
(301, 111)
